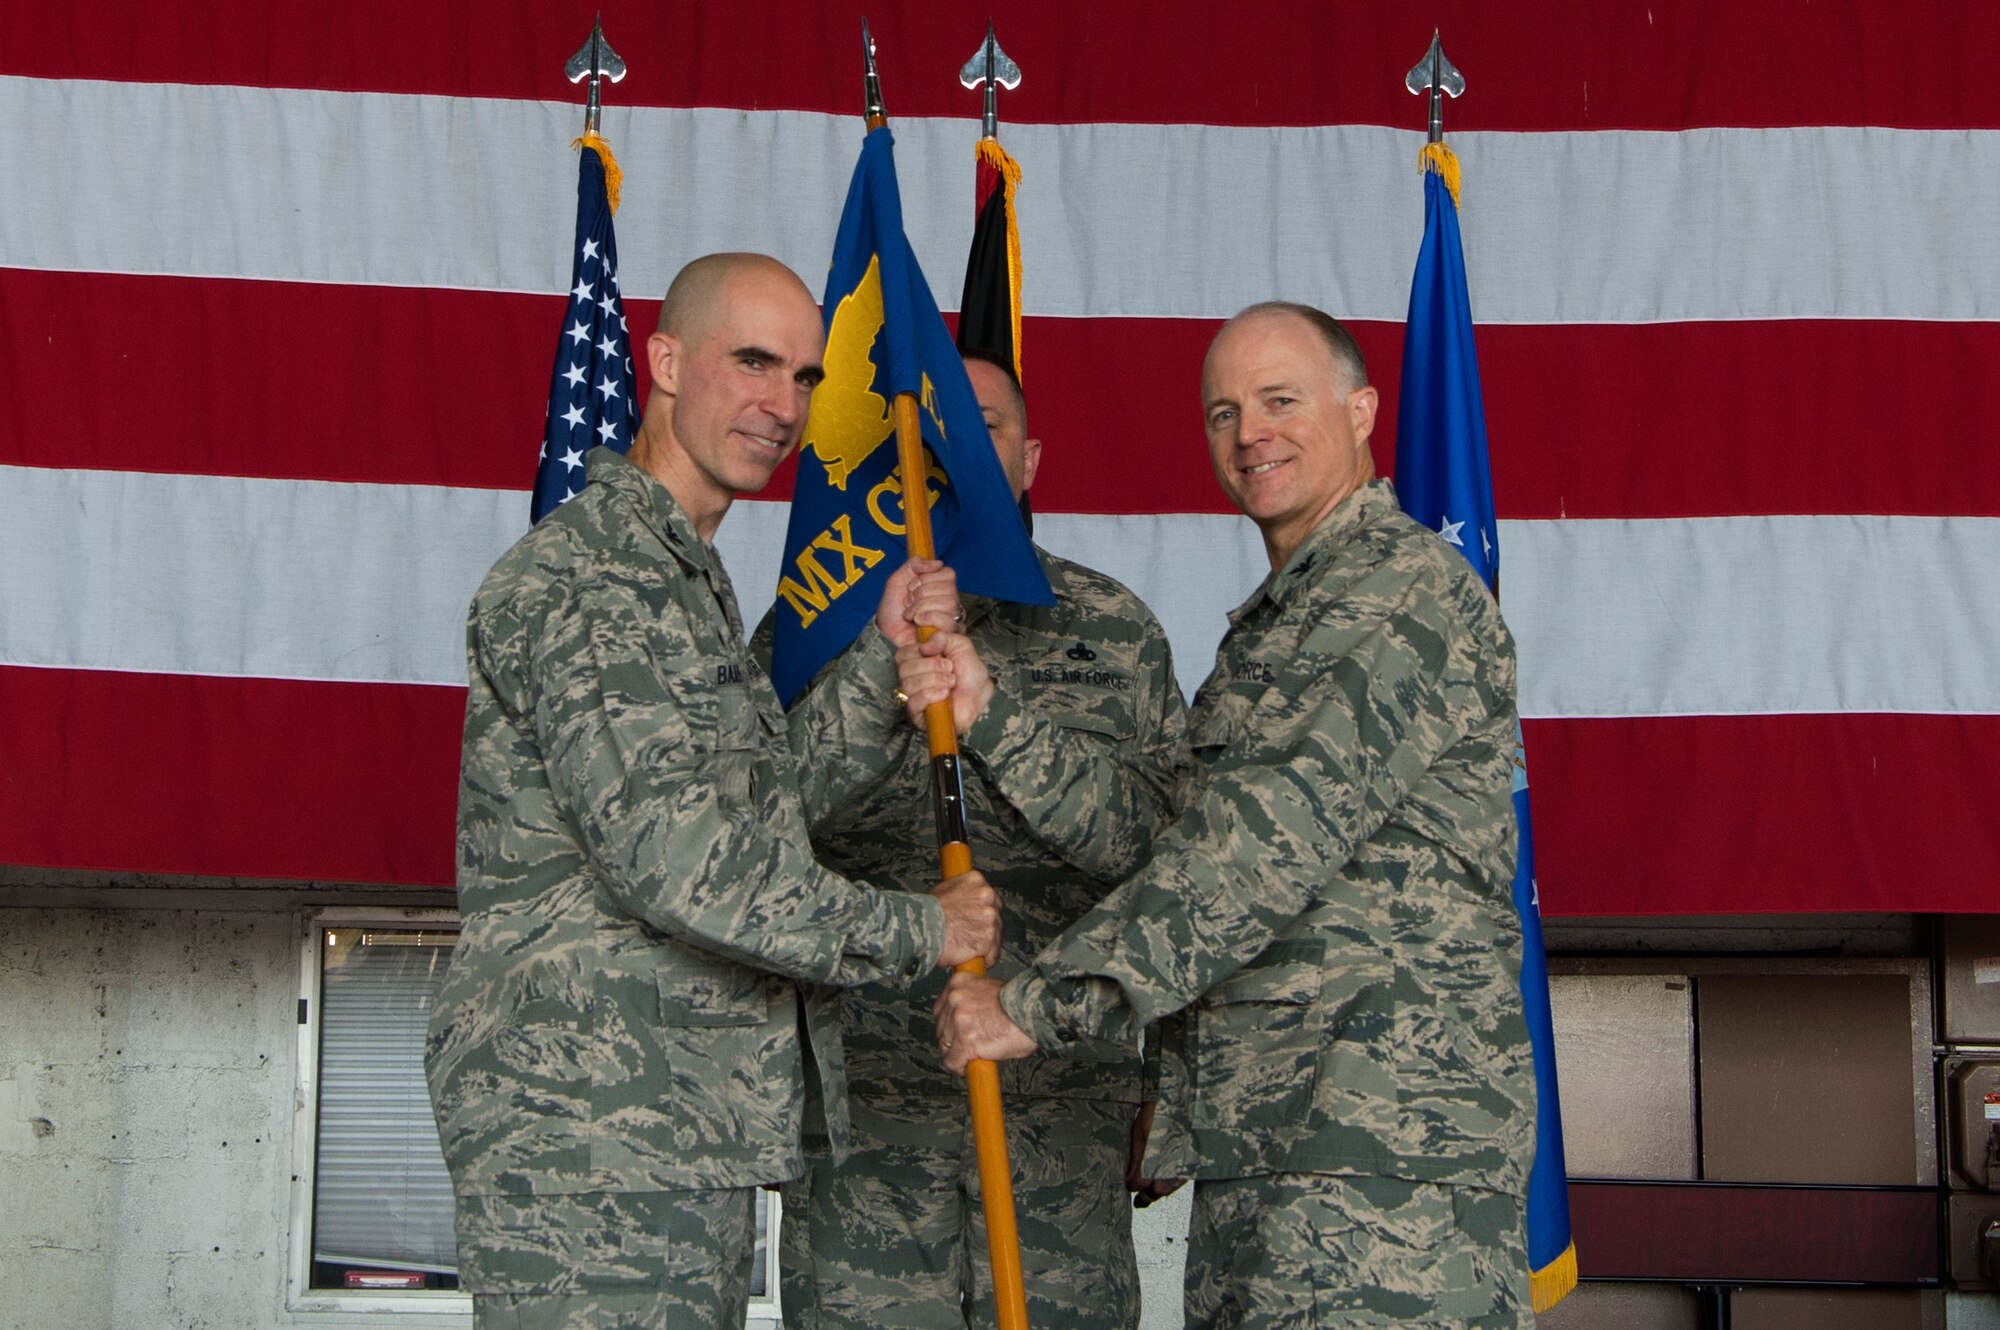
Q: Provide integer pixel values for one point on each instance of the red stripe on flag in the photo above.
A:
(279, 380)
(1699, 63)
(287, 381)
(163, 773)
(1740, 814)
(356, 782)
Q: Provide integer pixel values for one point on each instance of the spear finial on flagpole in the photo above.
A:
(871, 81)
(596, 61)
(1437, 76)
(990, 66)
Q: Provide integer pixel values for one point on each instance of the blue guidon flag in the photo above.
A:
(590, 390)
(884, 336)
(1443, 482)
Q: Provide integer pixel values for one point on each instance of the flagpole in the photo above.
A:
(1442, 468)
(982, 1077)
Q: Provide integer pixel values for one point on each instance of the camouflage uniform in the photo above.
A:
(617, 1053)
(1334, 913)
(1068, 774)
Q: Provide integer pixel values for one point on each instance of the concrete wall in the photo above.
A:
(148, 1061)
(147, 1066)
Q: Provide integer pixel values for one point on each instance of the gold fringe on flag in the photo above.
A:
(1553, 1282)
(993, 155)
(1436, 157)
(613, 177)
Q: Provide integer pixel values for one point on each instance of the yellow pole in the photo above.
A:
(982, 1078)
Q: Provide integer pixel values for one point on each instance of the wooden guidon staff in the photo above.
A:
(982, 1078)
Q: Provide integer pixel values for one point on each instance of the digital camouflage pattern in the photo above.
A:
(644, 924)
(1333, 908)
(609, 1260)
(894, 1238)
(1322, 1252)
(1072, 768)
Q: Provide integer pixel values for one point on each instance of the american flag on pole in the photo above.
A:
(276, 294)
(590, 390)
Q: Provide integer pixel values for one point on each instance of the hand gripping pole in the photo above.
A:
(982, 1078)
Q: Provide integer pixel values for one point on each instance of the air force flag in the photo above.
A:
(1443, 482)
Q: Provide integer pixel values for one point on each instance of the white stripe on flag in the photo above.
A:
(288, 579)
(1735, 615)
(1116, 219)
(319, 580)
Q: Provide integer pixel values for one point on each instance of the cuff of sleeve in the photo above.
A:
(926, 928)
(1031, 1004)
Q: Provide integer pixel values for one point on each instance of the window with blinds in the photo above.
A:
(381, 1196)
(380, 1207)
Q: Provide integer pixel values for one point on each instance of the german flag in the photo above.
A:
(989, 313)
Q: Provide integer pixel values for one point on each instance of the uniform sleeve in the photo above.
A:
(692, 827)
(846, 729)
(1312, 771)
(1094, 804)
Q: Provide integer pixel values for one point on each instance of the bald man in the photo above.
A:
(639, 994)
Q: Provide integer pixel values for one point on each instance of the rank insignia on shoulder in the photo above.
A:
(1080, 652)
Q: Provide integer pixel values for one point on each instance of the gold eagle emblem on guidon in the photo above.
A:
(848, 419)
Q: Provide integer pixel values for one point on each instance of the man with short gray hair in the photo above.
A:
(1330, 924)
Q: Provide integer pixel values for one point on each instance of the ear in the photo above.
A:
(1361, 404)
(663, 360)
(1031, 462)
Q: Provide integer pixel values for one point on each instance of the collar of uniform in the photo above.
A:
(1358, 510)
(655, 505)
(1052, 568)
(978, 607)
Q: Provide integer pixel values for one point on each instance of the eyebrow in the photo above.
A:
(812, 374)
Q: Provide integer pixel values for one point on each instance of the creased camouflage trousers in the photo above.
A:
(673, 1260)
(1308, 1251)
(895, 1238)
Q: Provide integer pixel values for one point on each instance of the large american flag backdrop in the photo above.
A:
(280, 284)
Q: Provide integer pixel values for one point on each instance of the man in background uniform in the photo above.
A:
(1068, 774)
(619, 1052)
(1350, 1083)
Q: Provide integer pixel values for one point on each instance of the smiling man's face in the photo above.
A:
(1287, 437)
(742, 379)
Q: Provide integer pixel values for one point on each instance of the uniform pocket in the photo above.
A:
(1260, 1037)
(723, 732)
(585, 1242)
(712, 993)
(1110, 725)
(721, 717)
